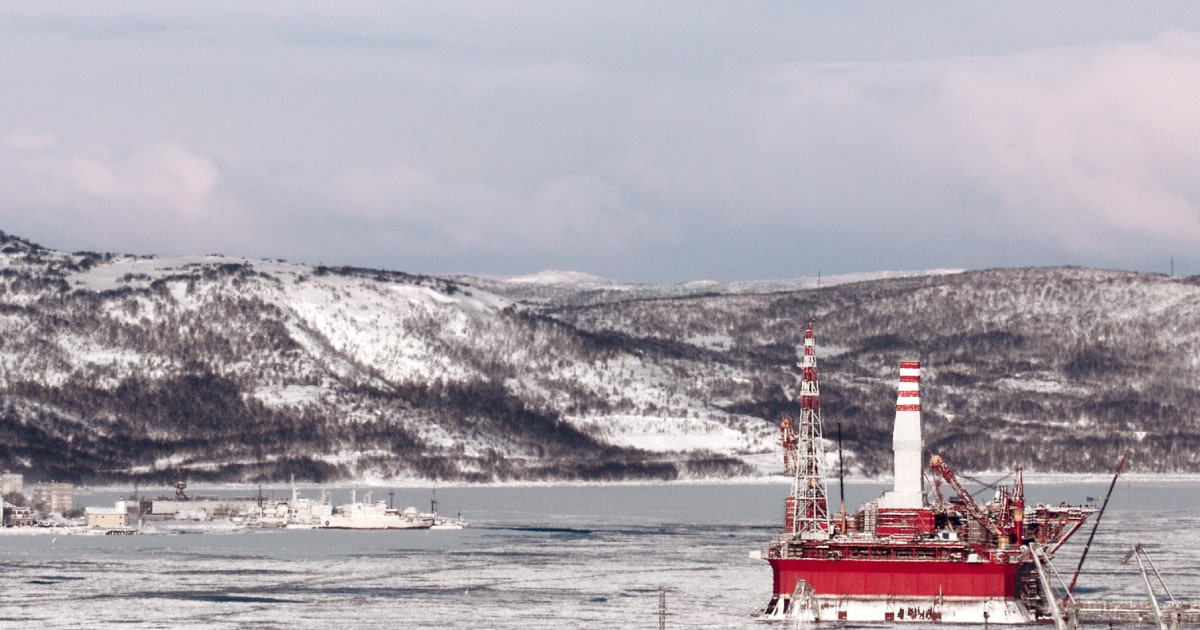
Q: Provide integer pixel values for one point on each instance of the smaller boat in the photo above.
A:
(444, 523)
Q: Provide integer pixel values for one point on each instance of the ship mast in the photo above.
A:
(808, 510)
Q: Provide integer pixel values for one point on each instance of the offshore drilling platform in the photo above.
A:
(903, 557)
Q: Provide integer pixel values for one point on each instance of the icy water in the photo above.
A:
(534, 557)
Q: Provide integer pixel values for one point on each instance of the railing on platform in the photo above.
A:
(1169, 617)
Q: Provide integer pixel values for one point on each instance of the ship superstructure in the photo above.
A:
(903, 557)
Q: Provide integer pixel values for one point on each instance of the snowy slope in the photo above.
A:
(257, 369)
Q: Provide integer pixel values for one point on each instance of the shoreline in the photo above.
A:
(420, 484)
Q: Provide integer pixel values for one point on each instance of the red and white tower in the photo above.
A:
(807, 506)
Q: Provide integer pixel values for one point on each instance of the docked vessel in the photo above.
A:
(298, 513)
(305, 513)
(905, 556)
(378, 515)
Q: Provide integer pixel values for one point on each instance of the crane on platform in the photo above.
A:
(938, 464)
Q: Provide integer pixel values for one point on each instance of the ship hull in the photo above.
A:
(897, 578)
(359, 521)
(975, 612)
(897, 590)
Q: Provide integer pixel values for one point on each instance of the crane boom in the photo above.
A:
(939, 464)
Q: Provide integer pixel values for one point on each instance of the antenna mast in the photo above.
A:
(808, 509)
(841, 482)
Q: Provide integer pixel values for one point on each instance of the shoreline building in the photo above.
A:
(54, 497)
(11, 483)
(112, 517)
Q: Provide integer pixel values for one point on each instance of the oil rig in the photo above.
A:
(904, 557)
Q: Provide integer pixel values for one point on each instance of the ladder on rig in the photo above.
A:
(1067, 620)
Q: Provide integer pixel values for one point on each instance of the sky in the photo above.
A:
(645, 142)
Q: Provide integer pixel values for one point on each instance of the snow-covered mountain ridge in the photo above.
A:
(120, 367)
(569, 288)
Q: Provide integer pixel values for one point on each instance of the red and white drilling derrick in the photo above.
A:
(807, 515)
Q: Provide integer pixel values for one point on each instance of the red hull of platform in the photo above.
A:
(897, 578)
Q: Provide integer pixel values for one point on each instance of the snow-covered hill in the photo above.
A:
(569, 288)
(381, 373)
(123, 367)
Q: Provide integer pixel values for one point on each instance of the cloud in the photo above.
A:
(568, 214)
(1092, 148)
(560, 76)
(161, 178)
(581, 211)
(30, 140)
(1088, 150)
(616, 139)
(152, 197)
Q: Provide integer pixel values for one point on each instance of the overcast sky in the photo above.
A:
(642, 141)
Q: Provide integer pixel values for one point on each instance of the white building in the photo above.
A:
(10, 483)
(54, 497)
(117, 516)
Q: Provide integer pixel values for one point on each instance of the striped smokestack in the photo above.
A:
(906, 441)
